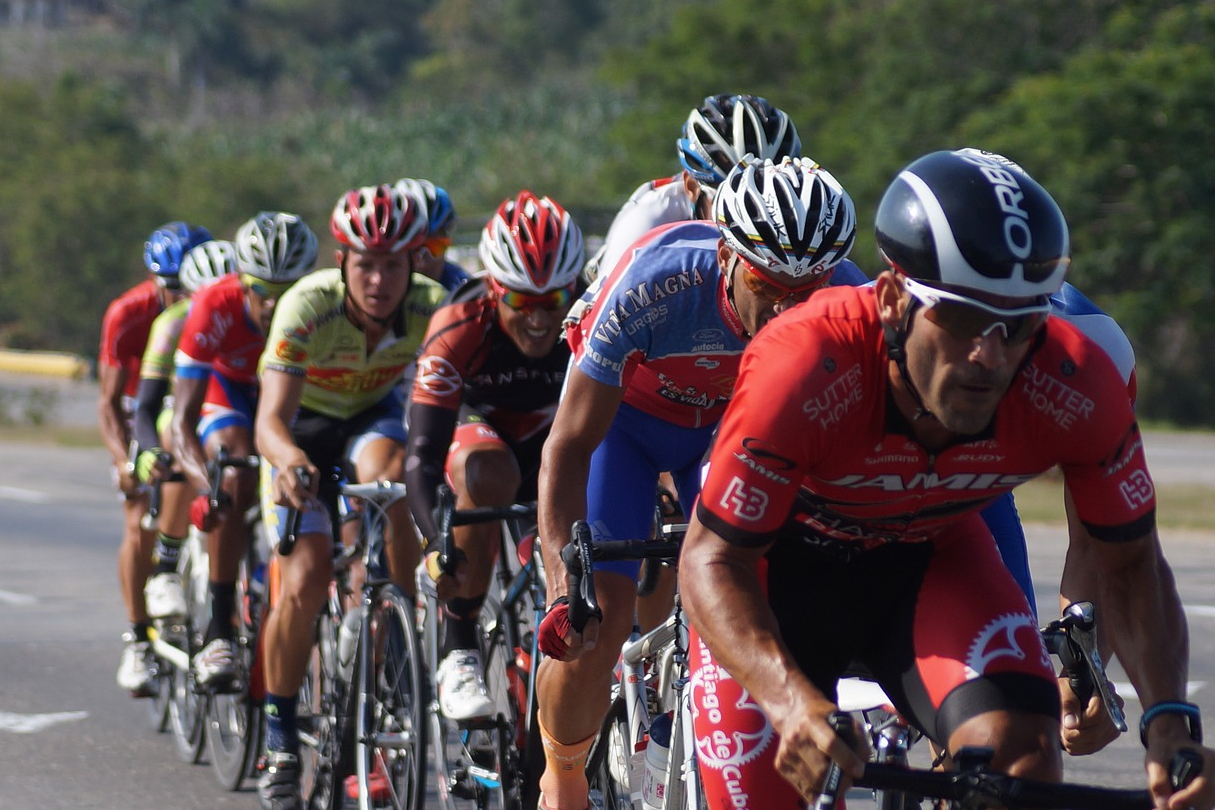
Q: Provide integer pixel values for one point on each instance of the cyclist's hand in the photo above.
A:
(1199, 793)
(289, 489)
(808, 744)
(203, 516)
(128, 481)
(558, 639)
(151, 465)
(1086, 730)
(446, 585)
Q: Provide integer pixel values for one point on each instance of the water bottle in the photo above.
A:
(348, 638)
(654, 782)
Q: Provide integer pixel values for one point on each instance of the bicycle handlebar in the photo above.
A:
(580, 555)
(448, 517)
(974, 784)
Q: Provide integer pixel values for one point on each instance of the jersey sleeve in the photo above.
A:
(196, 347)
(158, 356)
(447, 355)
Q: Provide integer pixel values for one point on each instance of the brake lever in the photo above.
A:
(1079, 625)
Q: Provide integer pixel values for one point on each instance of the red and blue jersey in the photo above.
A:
(220, 336)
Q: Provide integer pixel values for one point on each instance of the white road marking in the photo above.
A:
(1127, 691)
(1206, 611)
(25, 495)
(33, 723)
(13, 598)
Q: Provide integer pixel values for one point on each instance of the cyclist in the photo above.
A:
(340, 342)
(866, 431)
(489, 376)
(215, 395)
(432, 262)
(124, 334)
(202, 265)
(716, 136)
(654, 364)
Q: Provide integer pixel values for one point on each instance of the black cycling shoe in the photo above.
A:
(278, 787)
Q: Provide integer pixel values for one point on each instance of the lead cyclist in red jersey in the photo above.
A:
(839, 520)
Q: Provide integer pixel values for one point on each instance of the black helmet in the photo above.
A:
(974, 221)
(724, 129)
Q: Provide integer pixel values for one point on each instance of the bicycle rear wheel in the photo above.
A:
(390, 748)
(187, 703)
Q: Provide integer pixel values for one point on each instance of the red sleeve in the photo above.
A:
(452, 350)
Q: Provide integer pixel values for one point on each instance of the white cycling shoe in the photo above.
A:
(134, 672)
(164, 596)
(462, 692)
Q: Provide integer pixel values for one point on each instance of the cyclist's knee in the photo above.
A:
(491, 478)
(1023, 744)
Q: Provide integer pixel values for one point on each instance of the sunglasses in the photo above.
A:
(264, 289)
(766, 290)
(529, 302)
(968, 318)
(171, 283)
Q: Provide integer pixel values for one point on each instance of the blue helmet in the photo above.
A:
(440, 213)
(168, 245)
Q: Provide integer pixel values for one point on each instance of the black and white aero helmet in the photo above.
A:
(974, 221)
(206, 263)
(726, 128)
(276, 246)
(792, 221)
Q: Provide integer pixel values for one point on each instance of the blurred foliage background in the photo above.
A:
(117, 115)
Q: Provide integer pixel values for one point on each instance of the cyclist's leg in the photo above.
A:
(164, 592)
(988, 676)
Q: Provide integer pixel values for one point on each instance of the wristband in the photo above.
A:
(1189, 711)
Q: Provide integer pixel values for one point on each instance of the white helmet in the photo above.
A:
(792, 221)
(206, 263)
(276, 246)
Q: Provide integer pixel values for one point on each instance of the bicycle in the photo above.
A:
(975, 786)
(233, 717)
(1071, 637)
(362, 729)
(653, 683)
(495, 762)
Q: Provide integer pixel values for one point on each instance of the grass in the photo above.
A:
(1179, 506)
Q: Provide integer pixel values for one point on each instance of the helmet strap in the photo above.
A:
(896, 350)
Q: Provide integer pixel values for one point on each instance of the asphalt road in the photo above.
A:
(69, 738)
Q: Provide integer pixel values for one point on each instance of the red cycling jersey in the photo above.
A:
(821, 445)
(125, 329)
(219, 335)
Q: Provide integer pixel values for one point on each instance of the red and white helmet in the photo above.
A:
(532, 245)
(379, 219)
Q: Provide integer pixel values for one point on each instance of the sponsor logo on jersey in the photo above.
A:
(925, 481)
(438, 376)
(1013, 635)
(642, 295)
(834, 401)
(745, 502)
(1136, 489)
(1049, 396)
(289, 352)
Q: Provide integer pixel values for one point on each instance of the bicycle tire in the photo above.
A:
(187, 703)
(234, 720)
(607, 762)
(507, 689)
(161, 678)
(324, 721)
(391, 734)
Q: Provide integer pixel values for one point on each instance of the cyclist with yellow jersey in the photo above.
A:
(339, 345)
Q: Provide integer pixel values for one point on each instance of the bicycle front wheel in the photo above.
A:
(324, 722)
(390, 755)
(607, 763)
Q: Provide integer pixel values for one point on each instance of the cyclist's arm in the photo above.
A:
(277, 406)
(148, 402)
(583, 418)
(188, 395)
(1145, 623)
(430, 430)
(110, 418)
(721, 591)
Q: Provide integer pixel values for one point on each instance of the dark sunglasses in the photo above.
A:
(527, 302)
(968, 318)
